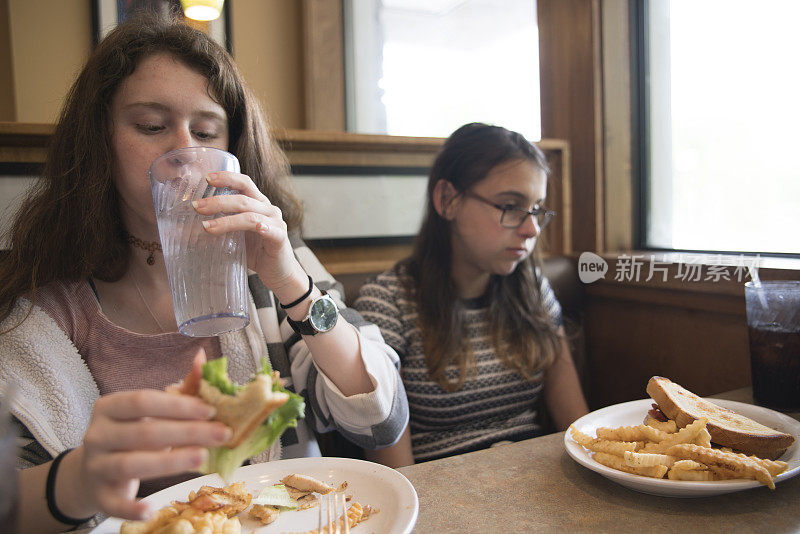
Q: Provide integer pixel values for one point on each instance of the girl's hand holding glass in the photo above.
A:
(269, 252)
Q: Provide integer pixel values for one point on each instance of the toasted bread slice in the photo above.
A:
(247, 409)
(726, 427)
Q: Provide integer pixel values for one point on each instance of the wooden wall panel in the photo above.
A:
(268, 48)
(323, 61)
(8, 110)
(571, 94)
(628, 342)
(692, 332)
(49, 42)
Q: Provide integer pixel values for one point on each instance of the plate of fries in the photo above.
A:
(680, 463)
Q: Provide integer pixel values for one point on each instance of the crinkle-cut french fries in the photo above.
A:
(744, 467)
(616, 448)
(689, 465)
(355, 515)
(169, 520)
(615, 462)
(651, 447)
(669, 426)
(641, 459)
(693, 475)
(632, 433)
(686, 434)
(682, 455)
(722, 473)
(775, 467)
(703, 438)
(202, 514)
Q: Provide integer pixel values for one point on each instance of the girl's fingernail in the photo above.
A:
(200, 457)
(211, 177)
(223, 434)
(208, 224)
(263, 229)
(195, 204)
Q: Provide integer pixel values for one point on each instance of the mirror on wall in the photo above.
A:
(106, 14)
(425, 67)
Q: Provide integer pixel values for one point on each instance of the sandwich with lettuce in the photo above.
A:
(258, 413)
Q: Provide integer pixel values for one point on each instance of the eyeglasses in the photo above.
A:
(513, 217)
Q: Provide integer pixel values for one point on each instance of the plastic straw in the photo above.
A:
(753, 268)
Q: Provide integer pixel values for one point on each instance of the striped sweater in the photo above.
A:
(496, 403)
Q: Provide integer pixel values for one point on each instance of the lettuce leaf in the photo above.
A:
(225, 461)
(215, 373)
(276, 495)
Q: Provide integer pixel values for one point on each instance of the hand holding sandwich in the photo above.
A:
(145, 434)
(132, 435)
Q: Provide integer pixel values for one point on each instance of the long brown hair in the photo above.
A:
(69, 226)
(516, 309)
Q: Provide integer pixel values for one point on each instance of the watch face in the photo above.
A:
(323, 314)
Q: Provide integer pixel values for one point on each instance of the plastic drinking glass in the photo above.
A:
(207, 273)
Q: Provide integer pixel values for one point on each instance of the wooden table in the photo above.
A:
(534, 486)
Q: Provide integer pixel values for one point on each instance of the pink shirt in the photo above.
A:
(119, 359)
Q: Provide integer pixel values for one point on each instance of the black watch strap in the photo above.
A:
(303, 328)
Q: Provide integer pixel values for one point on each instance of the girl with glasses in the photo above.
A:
(477, 328)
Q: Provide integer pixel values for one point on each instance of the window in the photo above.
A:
(721, 114)
(425, 67)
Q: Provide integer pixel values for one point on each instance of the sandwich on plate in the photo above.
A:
(727, 428)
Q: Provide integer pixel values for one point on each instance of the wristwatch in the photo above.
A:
(322, 316)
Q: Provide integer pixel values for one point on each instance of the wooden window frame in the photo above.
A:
(571, 92)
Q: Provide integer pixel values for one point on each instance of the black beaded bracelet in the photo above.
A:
(50, 494)
(304, 297)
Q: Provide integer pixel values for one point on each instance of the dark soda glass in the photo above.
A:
(775, 361)
(773, 320)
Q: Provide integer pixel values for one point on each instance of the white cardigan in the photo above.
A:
(56, 391)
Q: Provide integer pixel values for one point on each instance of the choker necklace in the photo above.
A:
(149, 246)
(146, 305)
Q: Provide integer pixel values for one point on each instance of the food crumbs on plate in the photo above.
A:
(211, 510)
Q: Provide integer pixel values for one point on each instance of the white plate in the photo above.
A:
(633, 412)
(369, 483)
